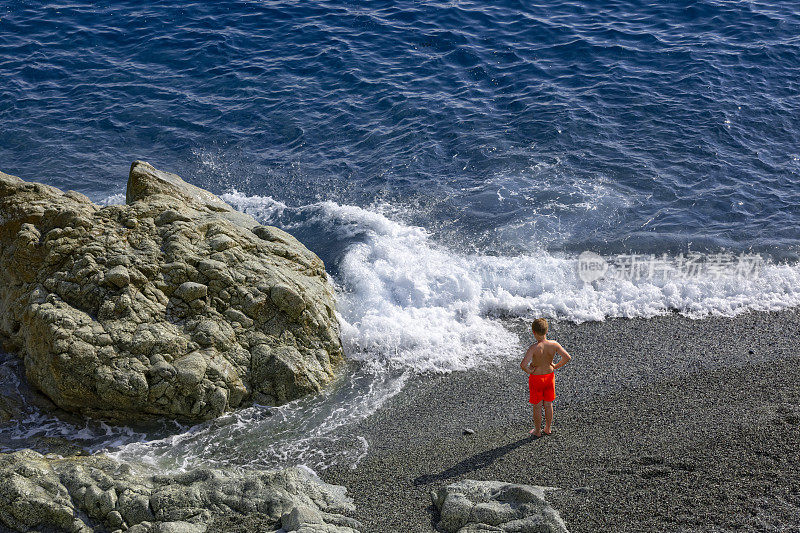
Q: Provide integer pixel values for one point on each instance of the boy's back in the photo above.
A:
(540, 356)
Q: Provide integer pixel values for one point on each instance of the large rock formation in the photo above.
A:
(174, 304)
(81, 494)
(471, 506)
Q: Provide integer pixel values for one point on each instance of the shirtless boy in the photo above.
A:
(538, 364)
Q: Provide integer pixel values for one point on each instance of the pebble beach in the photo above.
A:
(665, 424)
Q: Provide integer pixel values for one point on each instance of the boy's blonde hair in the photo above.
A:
(539, 326)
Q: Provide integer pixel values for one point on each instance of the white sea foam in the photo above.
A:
(409, 302)
(114, 199)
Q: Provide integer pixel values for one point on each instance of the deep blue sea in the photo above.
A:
(449, 161)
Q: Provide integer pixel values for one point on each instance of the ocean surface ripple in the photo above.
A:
(610, 125)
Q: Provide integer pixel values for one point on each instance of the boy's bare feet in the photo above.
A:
(535, 434)
(547, 430)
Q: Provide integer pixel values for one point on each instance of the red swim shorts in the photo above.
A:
(542, 387)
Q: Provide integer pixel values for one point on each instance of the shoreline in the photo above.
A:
(661, 424)
(651, 430)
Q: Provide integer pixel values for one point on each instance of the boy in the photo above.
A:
(538, 364)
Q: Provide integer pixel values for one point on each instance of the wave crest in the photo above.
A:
(409, 302)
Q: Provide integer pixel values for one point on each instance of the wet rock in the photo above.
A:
(471, 505)
(173, 305)
(9, 409)
(97, 493)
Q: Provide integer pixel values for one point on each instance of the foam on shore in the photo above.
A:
(409, 302)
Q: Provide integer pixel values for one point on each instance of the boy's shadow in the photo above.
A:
(477, 461)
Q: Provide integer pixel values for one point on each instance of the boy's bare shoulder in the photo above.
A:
(553, 345)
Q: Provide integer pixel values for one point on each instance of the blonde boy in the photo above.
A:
(538, 364)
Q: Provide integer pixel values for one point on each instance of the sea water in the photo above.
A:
(449, 161)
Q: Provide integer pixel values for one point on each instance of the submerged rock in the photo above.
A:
(83, 494)
(174, 304)
(470, 505)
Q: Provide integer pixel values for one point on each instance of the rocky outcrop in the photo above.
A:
(174, 304)
(83, 494)
(471, 506)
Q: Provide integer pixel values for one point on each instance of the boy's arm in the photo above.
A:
(526, 362)
(565, 357)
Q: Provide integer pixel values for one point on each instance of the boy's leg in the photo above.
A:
(537, 420)
(548, 416)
